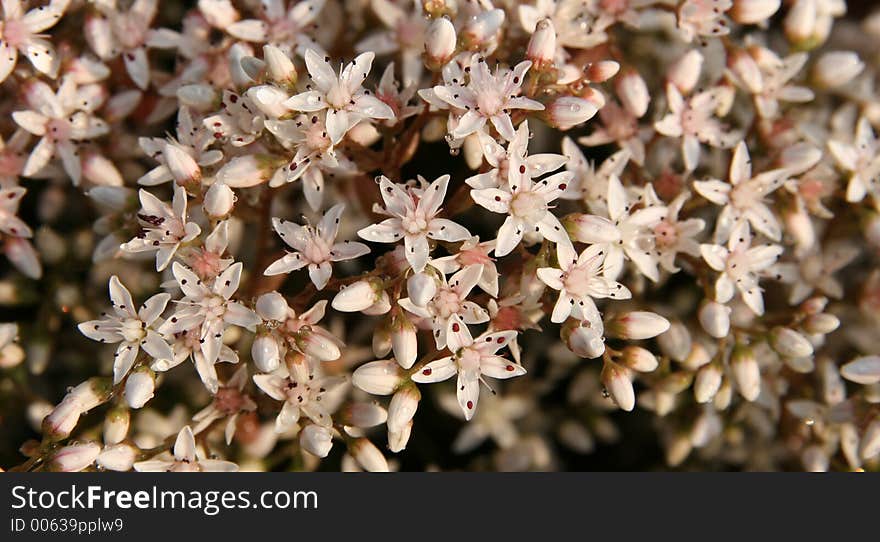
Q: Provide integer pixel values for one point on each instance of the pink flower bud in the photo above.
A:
(617, 382)
(421, 288)
(364, 415)
(715, 319)
(753, 11)
(685, 72)
(100, 171)
(599, 72)
(837, 68)
(633, 92)
(788, 342)
(317, 346)
(316, 440)
(404, 341)
(23, 256)
(403, 406)
(118, 457)
(265, 352)
(542, 46)
(800, 22)
(278, 65)
(272, 306)
(116, 425)
(382, 341)
(746, 372)
(567, 112)
(181, 164)
(269, 99)
(586, 342)
(91, 393)
(591, 228)
(439, 43)
(74, 458)
(63, 419)
(357, 297)
(246, 171)
(219, 200)
(638, 359)
(638, 325)
(368, 456)
(482, 28)
(378, 377)
(139, 387)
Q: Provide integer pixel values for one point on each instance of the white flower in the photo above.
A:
(186, 458)
(345, 100)
(471, 252)
(776, 74)
(472, 359)
(413, 215)
(239, 121)
(315, 247)
(229, 402)
(526, 201)
(210, 310)
(114, 31)
(280, 25)
(405, 35)
(579, 282)
(131, 327)
(57, 119)
(703, 18)
(861, 159)
(488, 98)
(180, 160)
(739, 265)
(301, 393)
(449, 309)
(23, 33)
(672, 235)
(165, 227)
(743, 198)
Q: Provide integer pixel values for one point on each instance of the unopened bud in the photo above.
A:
(63, 419)
(363, 415)
(821, 324)
(676, 342)
(482, 28)
(863, 370)
(404, 341)
(707, 382)
(567, 112)
(246, 171)
(633, 92)
(92, 392)
(440, 43)
(403, 406)
(746, 71)
(368, 456)
(746, 372)
(685, 72)
(542, 46)
(637, 325)
(272, 306)
(317, 346)
(279, 65)
(638, 359)
(181, 164)
(591, 228)
(265, 353)
(219, 200)
(753, 11)
(116, 425)
(118, 457)
(397, 440)
(316, 440)
(74, 458)
(269, 99)
(617, 382)
(378, 377)
(715, 319)
(139, 387)
(586, 342)
(357, 297)
(421, 288)
(788, 342)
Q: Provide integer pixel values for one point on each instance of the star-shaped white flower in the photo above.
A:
(315, 247)
(580, 281)
(165, 227)
(180, 160)
(672, 235)
(301, 393)
(23, 33)
(739, 265)
(346, 101)
(413, 215)
(131, 327)
(186, 458)
(861, 159)
(743, 198)
(472, 359)
(114, 31)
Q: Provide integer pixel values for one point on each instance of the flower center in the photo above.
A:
(414, 224)
(133, 330)
(338, 97)
(58, 129)
(469, 359)
(446, 303)
(528, 206)
(577, 281)
(14, 32)
(666, 234)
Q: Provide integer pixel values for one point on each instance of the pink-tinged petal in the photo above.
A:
(31, 121)
(338, 123)
(311, 100)
(120, 298)
(253, 30)
(433, 197)
(185, 445)
(417, 251)
(153, 308)
(320, 274)
(387, 231)
(8, 58)
(348, 250)
(498, 367)
(715, 191)
(138, 67)
(227, 283)
(509, 236)
(724, 289)
(443, 229)
(436, 371)
(468, 392)
(156, 346)
(551, 276)
(125, 356)
(494, 199)
(740, 165)
(42, 55)
(469, 123)
(286, 264)
(23, 256)
(690, 150)
(321, 72)
(457, 334)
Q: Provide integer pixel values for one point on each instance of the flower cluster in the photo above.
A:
(321, 220)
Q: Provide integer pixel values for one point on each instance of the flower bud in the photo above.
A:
(404, 341)
(638, 359)
(91, 393)
(269, 100)
(357, 297)
(863, 370)
(715, 319)
(74, 458)
(378, 377)
(616, 381)
(116, 425)
(181, 164)
(100, 171)
(118, 457)
(788, 342)
(139, 387)
(381, 306)
(633, 92)
(265, 353)
(821, 324)
(837, 68)
(246, 171)
(23, 256)
(591, 228)
(676, 342)
(200, 97)
(439, 43)
(363, 415)
(637, 325)
(382, 340)
(272, 306)
(316, 440)
(800, 23)
(707, 382)
(685, 72)
(746, 372)
(397, 440)
(279, 65)
(870, 444)
(403, 406)
(482, 28)
(421, 288)
(317, 346)
(368, 456)
(753, 11)
(567, 112)
(542, 46)
(63, 419)
(585, 342)
(219, 200)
